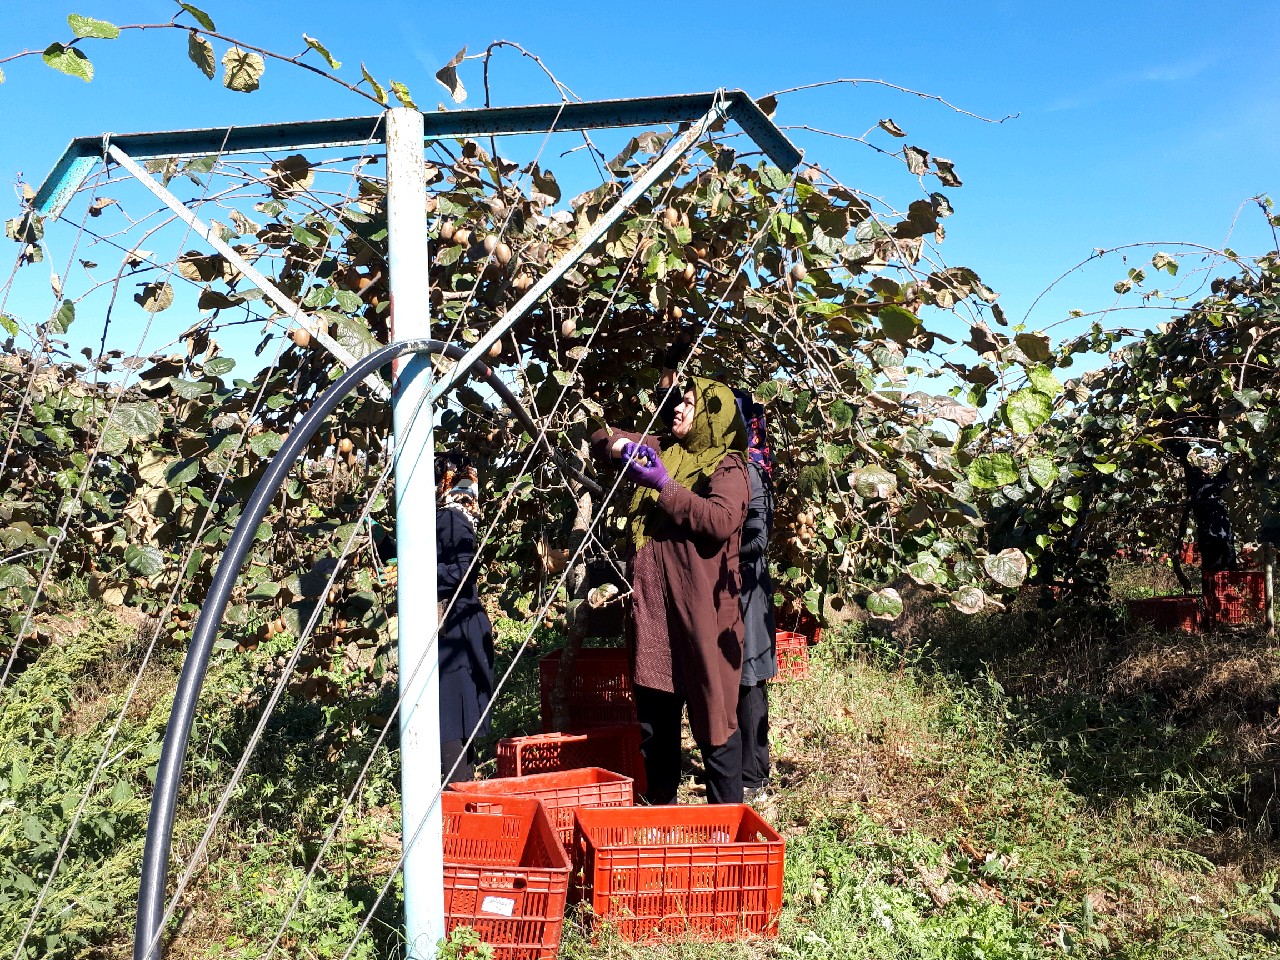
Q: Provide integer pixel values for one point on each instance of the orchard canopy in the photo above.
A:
(923, 438)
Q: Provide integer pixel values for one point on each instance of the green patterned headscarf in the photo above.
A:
(717, 431)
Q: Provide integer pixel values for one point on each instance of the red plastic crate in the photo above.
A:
(505, 874)
(793, 656)
(802, 621)
(1235, 596)
(615, 748)
(561, 793)
(600, 692)
(710, 872)
(1168, 613)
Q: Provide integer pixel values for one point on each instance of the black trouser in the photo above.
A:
(451, 750)
(660, 715)
(753, 724)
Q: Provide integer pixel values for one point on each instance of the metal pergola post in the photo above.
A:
(416, 592)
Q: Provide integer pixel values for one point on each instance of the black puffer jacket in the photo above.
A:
(759, 648)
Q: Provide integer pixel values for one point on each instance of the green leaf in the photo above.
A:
(242, 69)
(90, 28)
(264, 590)
(12, 575)
(1007, 568)
(265, 443)
(378, 92)
(992, 471)
(68, 60)
(1043, 472)
(219, 366)
(1034, 345)
(898, 323)
(1072, 502)
(120, 793)
(200, 51)
(926, 571)
(319, 48)
(62, 318)
(145, 561)
(885, 604)
(59, 434)
(297, 615)
(449, 255)
(841, 414)
(354, 334)
(350, 301)
(201, 17)
(189, 389)
(873, 483)
(784, 223)
(767, 391)
(969, 599)
(10, 324)
(1103, 466)
(179, 473)
(1042, 379)
(773, 178)
(1027, 409)
(316, 296)
(135, 420)
(402, 94)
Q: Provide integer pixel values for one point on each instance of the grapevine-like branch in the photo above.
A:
(173, 24)
(893, 86)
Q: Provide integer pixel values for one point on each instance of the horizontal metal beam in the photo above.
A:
(77, 161)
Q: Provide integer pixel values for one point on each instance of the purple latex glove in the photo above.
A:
(644, 466)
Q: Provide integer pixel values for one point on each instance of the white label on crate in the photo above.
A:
(499, 905)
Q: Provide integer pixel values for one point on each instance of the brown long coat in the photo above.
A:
(685, 622)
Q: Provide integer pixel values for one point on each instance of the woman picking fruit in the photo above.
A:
(685, 625)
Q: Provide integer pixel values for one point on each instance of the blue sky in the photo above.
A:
(1135, 121)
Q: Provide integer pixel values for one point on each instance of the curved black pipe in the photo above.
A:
(164, 799)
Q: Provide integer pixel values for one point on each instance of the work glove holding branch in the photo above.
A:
(644, 466)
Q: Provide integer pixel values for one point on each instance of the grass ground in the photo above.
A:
(988, 788)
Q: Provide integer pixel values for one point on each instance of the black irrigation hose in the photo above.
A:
(164, 799)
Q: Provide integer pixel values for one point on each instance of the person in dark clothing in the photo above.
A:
(1214, 536)
(759, 641)
(466, 636)
(684, 622)
(1213, 522)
